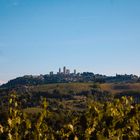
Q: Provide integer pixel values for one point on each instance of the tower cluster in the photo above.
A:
(64, 71)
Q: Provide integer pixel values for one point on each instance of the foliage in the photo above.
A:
(19, 125)
(116, 120)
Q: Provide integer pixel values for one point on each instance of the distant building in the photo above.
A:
(64, 70)
(59, 70)
(51, 73)
(74, 71)
(67, 71)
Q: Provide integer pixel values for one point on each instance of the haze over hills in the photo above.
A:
(2, 82)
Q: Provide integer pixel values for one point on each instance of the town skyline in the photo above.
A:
(64, 71)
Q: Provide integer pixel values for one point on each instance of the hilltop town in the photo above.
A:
(66, 76)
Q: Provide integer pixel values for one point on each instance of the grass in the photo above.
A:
(78, 87)
(120, 87)
(63, 87)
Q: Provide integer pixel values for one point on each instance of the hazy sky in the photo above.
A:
(37, 36)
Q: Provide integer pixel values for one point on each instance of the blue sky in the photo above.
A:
(37, 36)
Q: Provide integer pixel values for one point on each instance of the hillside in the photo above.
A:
(79, 87)
(85, 77)
(71, 105)
(71, 95)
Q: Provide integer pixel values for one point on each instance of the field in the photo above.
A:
(79, 87)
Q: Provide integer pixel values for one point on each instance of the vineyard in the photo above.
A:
(115, 120)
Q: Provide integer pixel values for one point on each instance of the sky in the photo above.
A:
(38, 36)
